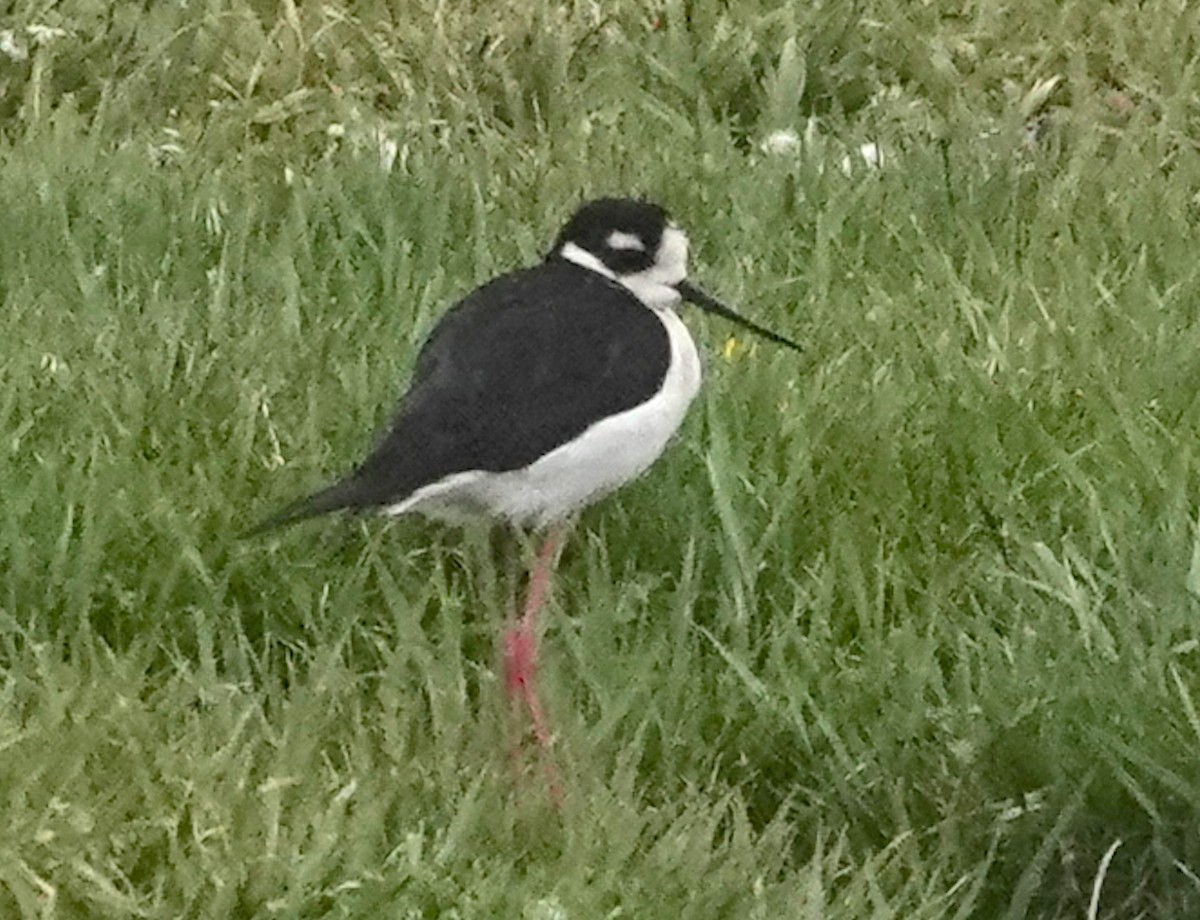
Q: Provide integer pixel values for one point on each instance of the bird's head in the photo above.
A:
(633, 242)
(636, 243)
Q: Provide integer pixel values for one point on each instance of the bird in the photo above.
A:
(537, 394)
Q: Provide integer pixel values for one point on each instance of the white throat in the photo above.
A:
(655, 286)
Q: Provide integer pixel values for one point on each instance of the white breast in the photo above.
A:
(604, 457)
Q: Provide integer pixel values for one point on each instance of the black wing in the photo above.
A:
(519, 367)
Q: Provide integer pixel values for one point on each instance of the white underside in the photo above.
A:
(606, 456)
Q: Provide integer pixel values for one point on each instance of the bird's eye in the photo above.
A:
(619, 239)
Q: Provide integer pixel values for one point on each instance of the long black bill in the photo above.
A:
(693, 294)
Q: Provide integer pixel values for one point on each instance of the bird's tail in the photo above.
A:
(340, 495)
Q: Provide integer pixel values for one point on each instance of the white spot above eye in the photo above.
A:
(619, 239)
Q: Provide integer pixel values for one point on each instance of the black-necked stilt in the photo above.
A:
(538, 394)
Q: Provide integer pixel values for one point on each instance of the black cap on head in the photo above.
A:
(623, 233)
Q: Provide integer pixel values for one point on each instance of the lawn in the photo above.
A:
(903, 627)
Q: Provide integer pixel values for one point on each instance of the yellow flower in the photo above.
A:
(735, 348)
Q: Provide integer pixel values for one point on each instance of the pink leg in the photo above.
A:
(520, 661)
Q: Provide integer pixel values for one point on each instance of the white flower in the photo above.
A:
(10, 47)
(162, 154)
(871, 153)
(43, 35)
(778, 143)
(336, 130)
(388, 148)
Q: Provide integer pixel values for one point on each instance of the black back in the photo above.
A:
(519, 367)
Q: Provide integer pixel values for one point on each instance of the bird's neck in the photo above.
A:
(654, 294)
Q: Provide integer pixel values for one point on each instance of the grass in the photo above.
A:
(906, 628)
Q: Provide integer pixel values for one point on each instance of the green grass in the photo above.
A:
(906, 628)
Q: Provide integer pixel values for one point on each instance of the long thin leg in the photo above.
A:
(520, 647)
